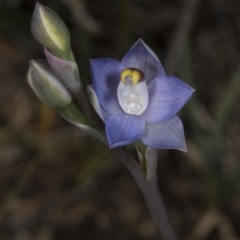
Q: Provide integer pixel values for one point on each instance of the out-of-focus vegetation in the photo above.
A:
(58, 183)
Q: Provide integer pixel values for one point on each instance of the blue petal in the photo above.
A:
(105, 73)
(165, 135)
(140, 56)
(122, 129)
(167, 95)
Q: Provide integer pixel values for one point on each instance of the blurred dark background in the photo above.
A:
(57, 183)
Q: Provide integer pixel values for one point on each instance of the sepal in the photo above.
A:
(147, 158)
(94, 101)
(75, 116)
(151, 163)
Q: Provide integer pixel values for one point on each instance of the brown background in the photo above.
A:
(58, 183)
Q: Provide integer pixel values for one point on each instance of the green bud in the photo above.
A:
(73, 113)
(49, 30)
(47, 86)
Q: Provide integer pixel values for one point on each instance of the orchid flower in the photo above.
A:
(134, 97)
(138, 101)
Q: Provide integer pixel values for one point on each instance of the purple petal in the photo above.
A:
(165, 135)
(122, 129)
(105, 74)
(141, 57)
(167, 95)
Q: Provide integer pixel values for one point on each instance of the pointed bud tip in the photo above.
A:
(37, 9)
(34, 64)
(31, 62)
(38, 5)
(50, 31)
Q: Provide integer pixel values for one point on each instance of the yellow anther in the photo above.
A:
(136, 76)
(126, 72)
(131, 76)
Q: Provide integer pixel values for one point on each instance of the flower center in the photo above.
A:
(132, 91)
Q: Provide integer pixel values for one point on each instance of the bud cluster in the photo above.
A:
(57, 81)
(52, 79)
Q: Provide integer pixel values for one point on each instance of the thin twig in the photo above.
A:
(226, 32)
(82, 16)
(183, 29)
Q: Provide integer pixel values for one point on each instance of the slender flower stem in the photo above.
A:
(150, 191)
(159, 214)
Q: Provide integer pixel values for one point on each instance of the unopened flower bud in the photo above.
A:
(66, 70)
(49, 30)
(47, 86)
